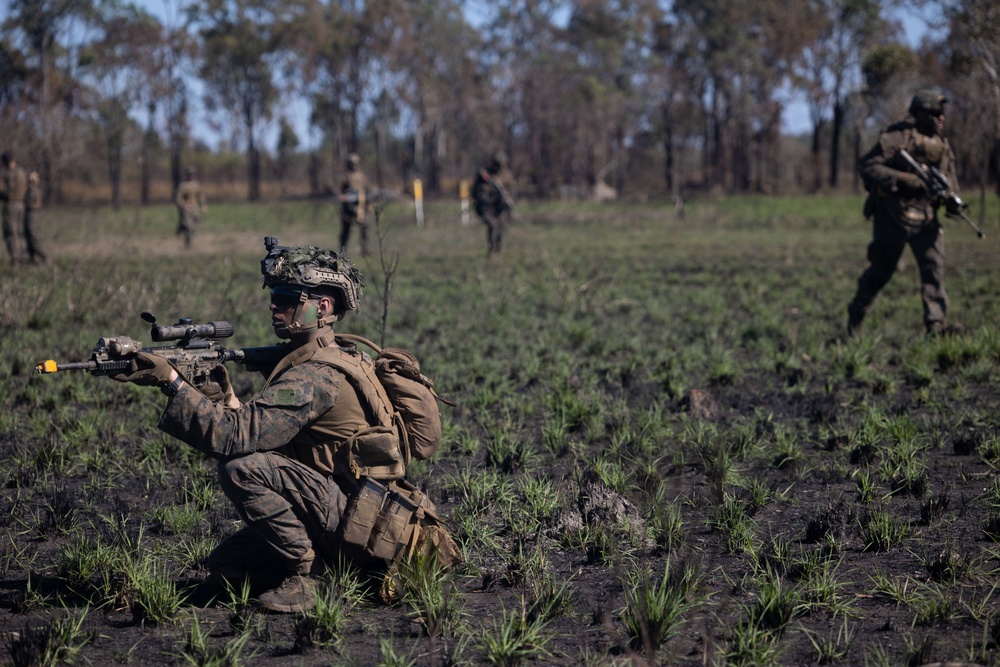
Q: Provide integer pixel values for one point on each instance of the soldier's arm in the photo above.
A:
(948, 167)
(267, 421)
(877, 166)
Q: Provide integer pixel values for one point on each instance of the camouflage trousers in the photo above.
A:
(291, 513)
(345, 233)
(187, 224)
(495, 226)
(888, 242)
(13, 228)
(36, 252)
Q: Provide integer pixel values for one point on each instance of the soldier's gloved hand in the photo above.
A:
(953, 204)
(912, 185)
(219, 389)
(146, 369)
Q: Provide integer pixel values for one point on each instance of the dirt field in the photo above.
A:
(658, 420)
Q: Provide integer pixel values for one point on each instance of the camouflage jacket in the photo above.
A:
(189, 196)
(306, 410)
(881, 167)
(355, 185)
(33, 197)
(15, 184)
(484, 192)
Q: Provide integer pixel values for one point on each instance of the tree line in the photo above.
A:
(649, 97)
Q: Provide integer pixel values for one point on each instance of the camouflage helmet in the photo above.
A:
(310, 268)
(930, 101)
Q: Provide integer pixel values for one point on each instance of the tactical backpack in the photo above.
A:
(399, 399)
(388, 518)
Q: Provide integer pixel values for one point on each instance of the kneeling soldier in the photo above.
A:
(285, 456)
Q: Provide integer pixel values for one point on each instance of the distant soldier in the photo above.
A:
(353, 203)
(191, 204)
(32, 217)
(492, 200)
(15, 187)
(904, 212)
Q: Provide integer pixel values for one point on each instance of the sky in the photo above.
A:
(795, 119)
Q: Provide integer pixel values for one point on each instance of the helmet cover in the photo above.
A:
(930, 101)
(310, 267)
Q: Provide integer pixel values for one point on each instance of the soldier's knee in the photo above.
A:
(237, 473)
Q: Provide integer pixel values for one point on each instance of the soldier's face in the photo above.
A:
(929, 123)
(283, 303)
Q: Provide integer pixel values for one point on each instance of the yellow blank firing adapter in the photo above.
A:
(47, 366)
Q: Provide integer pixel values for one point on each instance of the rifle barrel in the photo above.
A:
(50, 366)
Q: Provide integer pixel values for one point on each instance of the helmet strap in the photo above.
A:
(297, 325)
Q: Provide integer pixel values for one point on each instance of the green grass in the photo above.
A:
(573, 459)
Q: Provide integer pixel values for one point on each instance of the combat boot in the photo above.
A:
(296, 594)
(941, 329)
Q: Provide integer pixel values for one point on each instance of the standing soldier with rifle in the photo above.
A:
(904, 202)
(493, 203)
(354, 204)
(15, 187)
(190, 201)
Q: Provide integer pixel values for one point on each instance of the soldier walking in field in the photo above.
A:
(299, 459)
(32, 218)
(191, 203)
(904, 211)
(354, 204)
(493, 203)
(15, 187)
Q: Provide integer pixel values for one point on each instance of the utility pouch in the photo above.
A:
(394, 527)
(375, 452)
(362, 513)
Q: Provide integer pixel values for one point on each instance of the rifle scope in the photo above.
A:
(186, 330)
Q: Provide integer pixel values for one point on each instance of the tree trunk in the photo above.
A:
(314, 169)
(145, 160)
(838, 124)
(668, 150)
(115, 173)
(379, 153)
(814, 152)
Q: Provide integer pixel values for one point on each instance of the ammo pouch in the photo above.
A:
(376, 452)
(389, 521)
(380, 521)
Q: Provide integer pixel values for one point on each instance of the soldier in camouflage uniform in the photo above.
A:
(354, 203)
(492, 203)
(191, 203)
(15, 186)
(903, 211)
(282, 459)
(32, 216)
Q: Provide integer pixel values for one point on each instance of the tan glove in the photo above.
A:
(219, 389)
(147, 370)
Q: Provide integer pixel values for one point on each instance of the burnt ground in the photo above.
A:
(779, 473)
(946, 564)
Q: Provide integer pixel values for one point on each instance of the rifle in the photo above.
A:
(196, 353)
(939, 188)
(501, 191)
